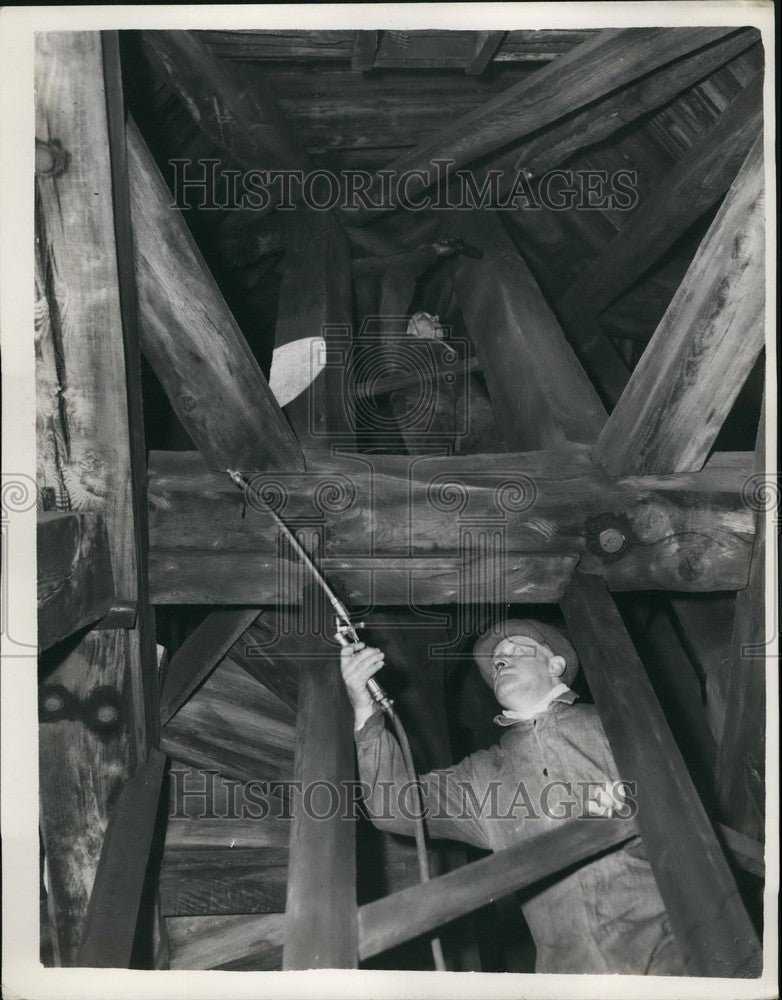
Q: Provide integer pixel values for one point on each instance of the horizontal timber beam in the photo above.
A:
(426, 517)
(408, 913)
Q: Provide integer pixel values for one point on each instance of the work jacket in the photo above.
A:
(607, 915)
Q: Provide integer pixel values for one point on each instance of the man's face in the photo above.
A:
(520, 672)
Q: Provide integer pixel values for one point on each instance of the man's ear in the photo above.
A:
(556, 666)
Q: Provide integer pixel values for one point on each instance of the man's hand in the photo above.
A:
(358, 663)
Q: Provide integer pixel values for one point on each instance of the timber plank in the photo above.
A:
(145, 689)
(83, 456)
(487, 45)
(191, 339)
(364, 51)
(540, 395)
(179, 576)
(110, 924)
(413, 911)
(83, 451)
(708, 918)
(331, 46)
(200, 653)
(235, 726)
(320, 911)
(741, 754)
(705, 624)
(194, 833)
(208, 809)
(75, 579)
(269, 652)
(599, 65)
(697, 181)
(704, 347)
(213, 942)
(600, 119)
(81, 773)
(250, 131)
(224, 879)
(749, 854)
(314, 321)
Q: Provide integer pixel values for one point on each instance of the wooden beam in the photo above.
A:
(598, 120)
(75, 581)
(602, 64)
(320, 912)
(235, 726)
(191, 339)
(415, 49)
(707, 916)
(741, 754)
(251, 131)
(224, 879)
(144, 674)
(214, 942)
(110, 924)
(182, 577)
(200, 653)
(85, 462)
(270, 651)
(364, 51)
(487, 44)
(284, 46)
(410, 912)
(690, 374)
(540, 395)
(704, 623)
(426, 519)
(419, 695)
(696, 183)
(749, 854)
(315, 305)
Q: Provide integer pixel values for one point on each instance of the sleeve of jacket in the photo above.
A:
(449, 794)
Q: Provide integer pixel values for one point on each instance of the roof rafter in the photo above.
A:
(700, 178)
(704, 347)
(603, 63)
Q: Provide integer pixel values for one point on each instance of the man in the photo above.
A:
(552, 760)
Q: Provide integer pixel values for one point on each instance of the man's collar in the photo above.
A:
(561, 693)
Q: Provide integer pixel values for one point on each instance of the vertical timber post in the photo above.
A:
(321, 912)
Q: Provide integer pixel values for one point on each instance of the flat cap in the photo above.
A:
(547, 635)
